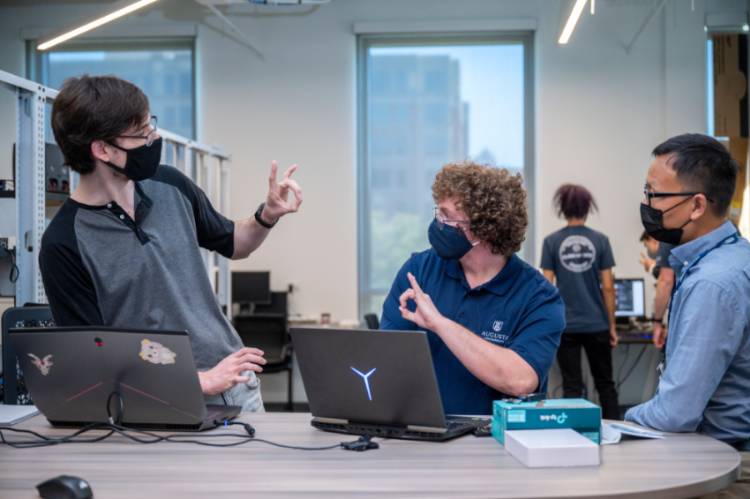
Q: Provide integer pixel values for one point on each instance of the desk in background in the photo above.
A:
(677, 467)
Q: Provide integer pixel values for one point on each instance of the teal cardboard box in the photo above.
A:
(577, 414)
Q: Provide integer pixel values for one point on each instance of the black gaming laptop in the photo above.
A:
(140, 378)
(378, 383)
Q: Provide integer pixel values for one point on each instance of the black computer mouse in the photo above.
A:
(65, 487)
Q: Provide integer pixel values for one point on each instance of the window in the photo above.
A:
(423, 102)
(164, 70)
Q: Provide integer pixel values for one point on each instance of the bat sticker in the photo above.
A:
(43, 365)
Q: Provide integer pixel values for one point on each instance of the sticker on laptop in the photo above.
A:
(43, 365)
(156, 353)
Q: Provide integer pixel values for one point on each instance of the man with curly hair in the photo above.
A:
(493, 321)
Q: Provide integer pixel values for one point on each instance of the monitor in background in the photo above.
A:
(251, 288)
(630, 298)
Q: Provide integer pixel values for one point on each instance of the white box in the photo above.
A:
(551, 448)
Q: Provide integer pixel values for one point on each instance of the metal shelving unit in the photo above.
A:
(208, 166)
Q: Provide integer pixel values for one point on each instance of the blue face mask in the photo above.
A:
(448, 242)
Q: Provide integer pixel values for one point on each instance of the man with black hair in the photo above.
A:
(705, 385)
(124, 249)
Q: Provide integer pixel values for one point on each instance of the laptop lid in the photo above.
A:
(373, 377)
(80, 375)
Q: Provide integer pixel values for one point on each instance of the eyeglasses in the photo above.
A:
(150, 136)
(447, 221)
(649, 195)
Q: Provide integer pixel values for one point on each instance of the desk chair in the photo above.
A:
(30, 315)
(266, 328)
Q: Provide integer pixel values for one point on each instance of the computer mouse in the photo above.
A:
(65, 487)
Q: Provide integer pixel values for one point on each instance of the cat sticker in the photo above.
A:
(43, 365)
(156, 353)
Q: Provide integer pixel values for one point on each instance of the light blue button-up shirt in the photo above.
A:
(706, 384)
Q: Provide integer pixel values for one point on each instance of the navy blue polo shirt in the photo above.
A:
(518, 309)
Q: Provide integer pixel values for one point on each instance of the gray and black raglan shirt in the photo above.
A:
(100, 267)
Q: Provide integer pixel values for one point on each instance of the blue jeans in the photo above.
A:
(246, 395)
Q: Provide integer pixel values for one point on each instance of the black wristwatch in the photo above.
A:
(654, 320)
(260, 220)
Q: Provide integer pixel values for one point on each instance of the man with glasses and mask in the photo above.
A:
(493, 321)
(124, 249)
(705, 384)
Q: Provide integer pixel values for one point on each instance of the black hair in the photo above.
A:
(703, 164)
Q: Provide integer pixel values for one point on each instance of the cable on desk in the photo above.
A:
(146, 437)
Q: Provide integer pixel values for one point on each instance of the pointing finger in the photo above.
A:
(413, 282)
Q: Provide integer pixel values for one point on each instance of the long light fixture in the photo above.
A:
(570, 25)
(95, 24)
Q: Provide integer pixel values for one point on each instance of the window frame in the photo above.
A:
(37, 63)
(367, 41)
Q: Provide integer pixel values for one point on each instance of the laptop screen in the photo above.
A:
(374, 377)
(85, 375)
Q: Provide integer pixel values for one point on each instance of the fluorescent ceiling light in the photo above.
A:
(95, 24)
(570, 25)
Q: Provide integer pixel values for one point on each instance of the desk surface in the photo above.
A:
(679, 466)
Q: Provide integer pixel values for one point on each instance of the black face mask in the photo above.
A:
(653, 221)
(142, 162)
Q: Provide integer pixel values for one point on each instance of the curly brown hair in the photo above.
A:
(493, 200)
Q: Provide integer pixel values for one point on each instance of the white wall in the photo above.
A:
(599, 112)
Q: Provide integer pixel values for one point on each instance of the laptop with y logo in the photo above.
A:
(379, 383)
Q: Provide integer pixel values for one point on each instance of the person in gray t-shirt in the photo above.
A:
(124, 249)
(579, 261)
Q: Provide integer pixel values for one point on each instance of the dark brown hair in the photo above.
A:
(493, 200)
(90, 108)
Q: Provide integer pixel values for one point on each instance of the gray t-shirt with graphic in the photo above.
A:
(577, 255)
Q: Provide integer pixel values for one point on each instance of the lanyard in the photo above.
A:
(686, 269)
(727, 240)
(683, 274)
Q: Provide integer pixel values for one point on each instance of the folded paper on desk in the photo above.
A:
(613, 432)
(12, 414)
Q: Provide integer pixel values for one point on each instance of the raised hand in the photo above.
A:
(278, 202)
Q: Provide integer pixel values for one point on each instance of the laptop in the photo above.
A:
(142, 379)
(374, 383)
